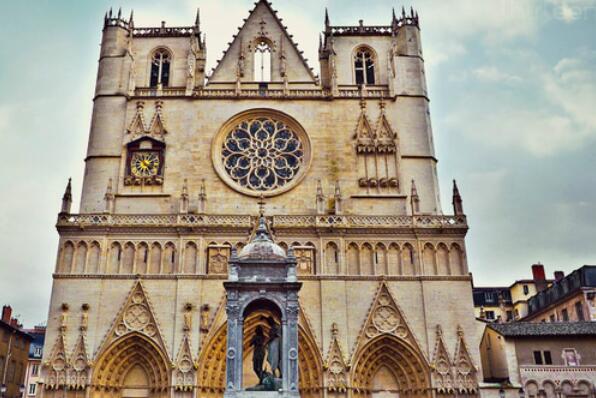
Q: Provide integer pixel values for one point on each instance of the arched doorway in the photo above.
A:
(131, 367)
(388, 366)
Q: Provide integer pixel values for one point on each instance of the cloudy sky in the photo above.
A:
(513, 100)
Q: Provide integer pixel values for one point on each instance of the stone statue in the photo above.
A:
(274, 348)
(258, 356)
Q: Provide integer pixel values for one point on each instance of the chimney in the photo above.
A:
(539, 276)
(6, 313)
(559, 275)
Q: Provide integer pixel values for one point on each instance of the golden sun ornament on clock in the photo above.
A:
(144, 164)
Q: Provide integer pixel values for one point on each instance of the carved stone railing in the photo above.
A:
(246, 221)
(163, 31)
(543, 373)
(214, 93)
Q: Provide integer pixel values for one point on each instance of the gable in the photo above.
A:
(287, 63)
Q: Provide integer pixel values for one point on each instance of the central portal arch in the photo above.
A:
(212, 361)
(131, 367)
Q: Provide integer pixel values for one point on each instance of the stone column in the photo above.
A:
(234, 344)
(292, 342)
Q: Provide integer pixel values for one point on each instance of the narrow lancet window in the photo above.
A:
(160, 68)
(262, 62)
(364, 67)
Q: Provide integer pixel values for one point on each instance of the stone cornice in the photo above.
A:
(282, 224)
(302, 278)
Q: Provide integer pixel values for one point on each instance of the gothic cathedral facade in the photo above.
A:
(179, 163)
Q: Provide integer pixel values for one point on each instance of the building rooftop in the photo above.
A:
(12, 328)
(584, 277)
(531, 329)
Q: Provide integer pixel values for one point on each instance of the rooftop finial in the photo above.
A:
(457, 202)
(131, 19)
(403, 12)
(67, 198)
(327, 23)
(198, 19)
(414, 199)
(120, 13)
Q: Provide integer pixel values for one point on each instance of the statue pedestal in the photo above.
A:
(261, 394)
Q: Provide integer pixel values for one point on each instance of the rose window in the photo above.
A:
(262, 154)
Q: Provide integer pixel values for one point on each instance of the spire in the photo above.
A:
(202, 197)
(67, 198)
(458, 204)
(337, 198)
(320, 43)
(120, 13)
(320, 198)
(198, 20)
(414, 199)
(327, 23)
(262, 233)
(131, 19)
(184, 198)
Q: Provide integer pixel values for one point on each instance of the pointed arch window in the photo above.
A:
(160, 68)
(364, 66)
(262, 62)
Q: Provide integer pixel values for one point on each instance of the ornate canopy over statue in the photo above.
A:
(262, 279)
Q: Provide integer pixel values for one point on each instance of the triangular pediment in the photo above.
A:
(57, 365)
(441, 364)
(385, 318)
(135, 316)
(184, 378)
(336, 366)
(157, 126)
(384, 134)
(465, 370)
(79, 365)
(364, 133)
(262, 24)
(137, 125)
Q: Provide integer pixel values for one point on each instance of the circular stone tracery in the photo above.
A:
(261, 152)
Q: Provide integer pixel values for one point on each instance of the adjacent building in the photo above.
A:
(569, 299)
(548, 360)
(33, 373)
(510, 303)
(14, 352)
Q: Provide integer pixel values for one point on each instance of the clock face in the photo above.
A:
(144, 164)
